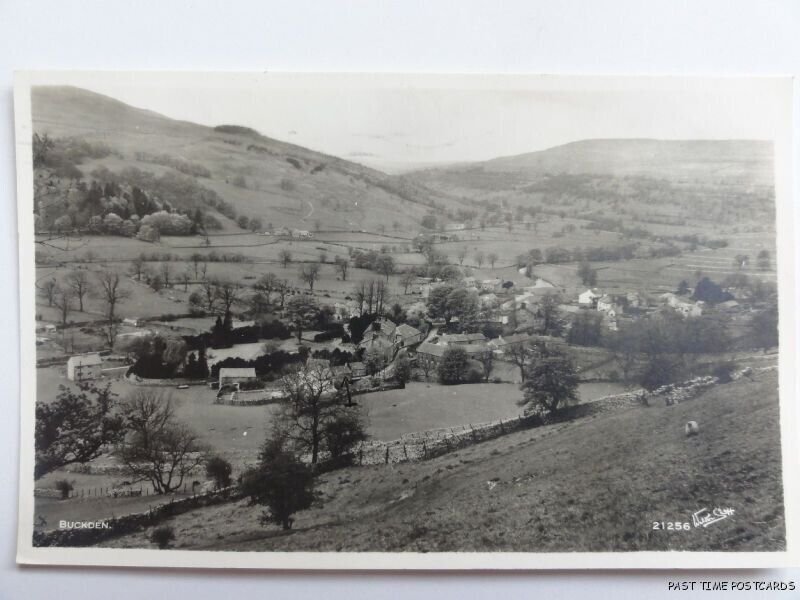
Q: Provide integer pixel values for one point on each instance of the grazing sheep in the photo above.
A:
(692, 428)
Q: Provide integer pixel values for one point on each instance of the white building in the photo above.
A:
(84, 367)
(236, 376)
(588, 298)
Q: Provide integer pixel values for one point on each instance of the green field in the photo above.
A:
(591, 485)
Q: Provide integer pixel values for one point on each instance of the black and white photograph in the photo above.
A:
(285, 320)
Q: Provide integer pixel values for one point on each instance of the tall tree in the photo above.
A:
(551, 381)
(158, 447)
(280, 481)
(79, 283)
(302, 312)
(342, 264)
(112, 295)
(284, 257)
(48, 290)
(76, 428)
(228, 293)
(311, 402)
(309, 273)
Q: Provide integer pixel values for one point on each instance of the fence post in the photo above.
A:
(387, 454)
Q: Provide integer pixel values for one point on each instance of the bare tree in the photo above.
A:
(360, 293)
(381, 295)
(158, 448)
(285, 257)
(196, 259)
(267, 284)
(311, 402)
(309, 273)
(407, 280)
(166, 273)
(518, 354)
(138, 267)
(282, 289)
(486, 358)
(479, 258)
(185, 277)
(63, 302)
(209, 288)
(48, 291)
(462, 254)
(228, 293)
(112, 295)
(492, 258)
(342, 264)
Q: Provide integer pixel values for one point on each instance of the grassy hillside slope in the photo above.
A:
(280, 183)
(593, 485)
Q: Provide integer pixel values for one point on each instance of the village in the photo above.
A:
(280, 309)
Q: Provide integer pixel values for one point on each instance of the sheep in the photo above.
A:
(692, 428)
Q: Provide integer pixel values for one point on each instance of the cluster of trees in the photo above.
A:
(61, 155)
(378, 262)
(371, 296)
(268, 366)
(116, 203)
(447, 302)
(106, 286)
(457, 367)
(179, 164)
(663, 348)
(157, 357)
(556, 255)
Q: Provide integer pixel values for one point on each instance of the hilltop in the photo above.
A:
(698, 162)
(278, 182)
(594, 484)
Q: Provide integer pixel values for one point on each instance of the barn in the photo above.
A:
(84, 367)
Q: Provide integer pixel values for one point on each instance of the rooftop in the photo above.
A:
(85, 360)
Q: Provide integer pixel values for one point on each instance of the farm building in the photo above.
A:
(236, 376)
(430, 353)
(588, 298)
(358, 369)
(132, 321)
(462, 339)
(492, 285)
(406, 335)
(84, 367)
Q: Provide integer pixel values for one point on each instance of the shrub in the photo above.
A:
(219, 469)
(723, 371)
(162, 536)
(281, 481)
(65, 487)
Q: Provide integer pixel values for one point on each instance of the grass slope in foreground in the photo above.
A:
(591, 485)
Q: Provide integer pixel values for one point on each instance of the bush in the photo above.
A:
(162, 536)
(723, 371)
(474, 375)
(281, 481)
(219, 469)
(65, 487)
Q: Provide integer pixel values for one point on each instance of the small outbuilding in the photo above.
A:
(84, 367)
(236, 376)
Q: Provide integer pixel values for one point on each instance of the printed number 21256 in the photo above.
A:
(671, 525)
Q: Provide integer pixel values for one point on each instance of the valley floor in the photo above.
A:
(596, 484)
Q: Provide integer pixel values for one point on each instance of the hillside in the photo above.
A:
(274, 181)
(595, 484)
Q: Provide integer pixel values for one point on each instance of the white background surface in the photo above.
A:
(623, 37)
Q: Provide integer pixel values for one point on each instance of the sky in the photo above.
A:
(399, 122)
